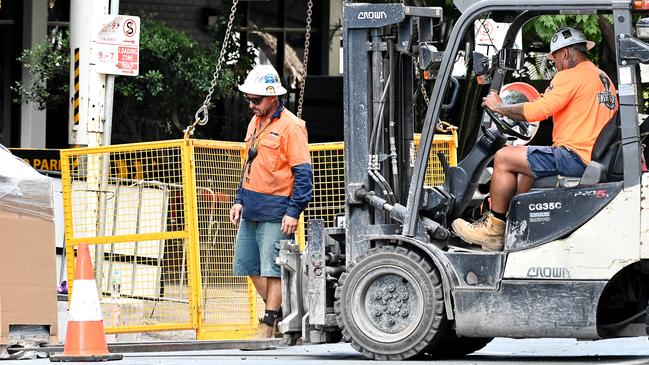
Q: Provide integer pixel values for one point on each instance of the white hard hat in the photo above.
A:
(567, 36)
(263, 80)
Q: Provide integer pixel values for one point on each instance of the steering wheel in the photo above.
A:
(509, 128)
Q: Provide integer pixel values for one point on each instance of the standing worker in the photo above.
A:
(581, 98)
(276, 186)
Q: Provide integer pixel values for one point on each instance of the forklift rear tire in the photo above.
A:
(390, 304)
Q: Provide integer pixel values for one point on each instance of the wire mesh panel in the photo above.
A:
(328, 163)
(129, 203)
(228, 302)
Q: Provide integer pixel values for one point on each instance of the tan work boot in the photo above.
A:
(264, 331)
(487, 232)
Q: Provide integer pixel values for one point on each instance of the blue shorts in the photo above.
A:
(256, 248)
(549, 161)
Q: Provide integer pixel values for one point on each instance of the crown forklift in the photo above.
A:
(395, 281)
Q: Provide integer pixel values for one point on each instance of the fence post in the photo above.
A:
(193, 247)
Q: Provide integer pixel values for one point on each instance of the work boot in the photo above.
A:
(264, 331)
(487, 232)
(268, 323)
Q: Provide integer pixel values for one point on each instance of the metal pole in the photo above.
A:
(110, 89)
(105, 167)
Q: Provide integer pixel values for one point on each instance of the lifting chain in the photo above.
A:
(201, 116)
(445, 127)
(440, 126)
(305, 61)
(422, 84)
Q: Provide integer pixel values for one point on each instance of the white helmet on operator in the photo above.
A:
(567, 36)
(263, 80)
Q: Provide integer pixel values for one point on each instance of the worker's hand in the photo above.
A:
(492, 101)
(235, 214)
(289, 225)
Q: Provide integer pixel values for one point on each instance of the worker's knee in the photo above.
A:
(511, 158)
(503, 158)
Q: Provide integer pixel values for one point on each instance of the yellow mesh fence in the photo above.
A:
(156, 216)
(328, 163)
(228, 306)
(128, 202)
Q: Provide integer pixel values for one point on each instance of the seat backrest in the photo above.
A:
(607, 149)
(607, 136)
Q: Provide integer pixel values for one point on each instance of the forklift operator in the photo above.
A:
(581, 98)
(275, 187)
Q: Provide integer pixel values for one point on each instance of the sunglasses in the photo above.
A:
(255, 101)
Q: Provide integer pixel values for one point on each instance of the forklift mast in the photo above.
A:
(369, 79)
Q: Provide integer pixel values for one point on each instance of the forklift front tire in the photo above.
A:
(390, 304)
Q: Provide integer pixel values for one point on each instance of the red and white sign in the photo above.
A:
(489, 36)
(115, 45)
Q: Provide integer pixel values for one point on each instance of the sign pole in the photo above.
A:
(110, 89)
(85, 84)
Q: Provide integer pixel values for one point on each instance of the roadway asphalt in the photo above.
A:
(501, 351)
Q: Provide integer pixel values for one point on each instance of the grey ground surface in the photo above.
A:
(501, 351)
(626, 351)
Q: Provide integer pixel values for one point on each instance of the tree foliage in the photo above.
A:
(48, 63)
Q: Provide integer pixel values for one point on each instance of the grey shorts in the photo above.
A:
(256, 249)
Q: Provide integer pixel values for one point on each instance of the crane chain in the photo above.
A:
(305, 61)
(440, 126)
(201, 117)
(422, 84)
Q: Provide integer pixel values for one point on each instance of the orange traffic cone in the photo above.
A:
(85, 339)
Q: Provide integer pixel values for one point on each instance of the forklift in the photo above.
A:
(393, 279)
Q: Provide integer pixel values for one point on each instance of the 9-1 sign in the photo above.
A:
(115, 46)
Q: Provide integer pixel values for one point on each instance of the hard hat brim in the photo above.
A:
(589, 46)
(256, 90)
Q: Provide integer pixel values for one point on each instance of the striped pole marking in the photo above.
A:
(76, 87)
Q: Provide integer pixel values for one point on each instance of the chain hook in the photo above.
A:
(206, 104)
(201, 120)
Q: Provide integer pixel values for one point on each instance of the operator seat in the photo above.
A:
(605, 165)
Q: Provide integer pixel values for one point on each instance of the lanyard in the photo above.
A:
(252, 150)
(261, 136)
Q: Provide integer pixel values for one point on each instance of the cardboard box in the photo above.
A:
(28, 251)
(27, 273)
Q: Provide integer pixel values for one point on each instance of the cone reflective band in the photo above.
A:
(85, 339)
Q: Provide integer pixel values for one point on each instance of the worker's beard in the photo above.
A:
(263, 112)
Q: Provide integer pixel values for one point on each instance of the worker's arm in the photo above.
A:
(302, 192)
(302, 189)
(555, 98)
(237, 207)
(300, 162)
(495, 103)
(559, 94)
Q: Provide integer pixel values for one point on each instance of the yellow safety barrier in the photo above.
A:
(156, 216)
(328, 162)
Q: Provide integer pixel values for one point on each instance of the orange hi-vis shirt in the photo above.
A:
(581, 100)
(278, 181)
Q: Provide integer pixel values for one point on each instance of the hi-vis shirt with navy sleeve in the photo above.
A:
(279, 180)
